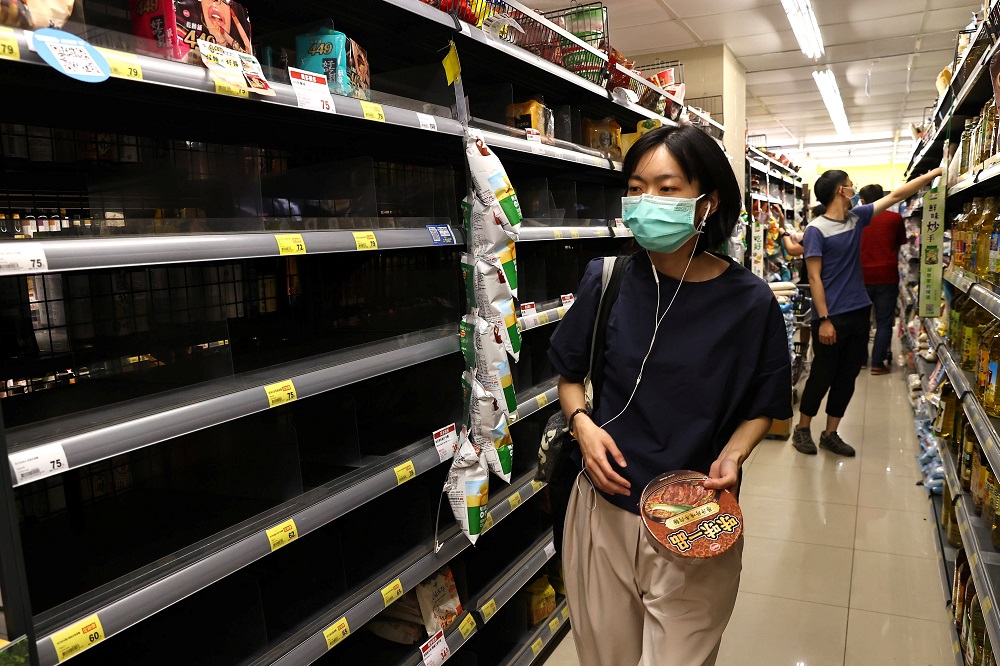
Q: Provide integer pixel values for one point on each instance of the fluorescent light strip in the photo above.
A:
(827, 84)
(804, 25)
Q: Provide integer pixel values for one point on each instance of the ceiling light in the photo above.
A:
(827, 84)
(803, 22)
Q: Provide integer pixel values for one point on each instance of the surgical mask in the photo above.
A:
(662, 224)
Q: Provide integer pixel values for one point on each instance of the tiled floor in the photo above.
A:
(840, 566)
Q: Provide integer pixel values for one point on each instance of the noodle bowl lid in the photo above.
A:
(681, 517)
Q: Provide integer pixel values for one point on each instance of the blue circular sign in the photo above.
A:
(71, 55)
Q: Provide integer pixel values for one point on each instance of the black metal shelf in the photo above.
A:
(543, 316)
(541, 636)
(514, 577)
(545, 233)
(95, 435)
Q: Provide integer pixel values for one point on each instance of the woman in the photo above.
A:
(697, 366)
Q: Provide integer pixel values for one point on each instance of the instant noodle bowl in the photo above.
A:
(682, 517)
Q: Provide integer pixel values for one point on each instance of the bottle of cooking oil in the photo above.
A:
(973, 324)
(963, 164)
(976, 480)
(954, 334)
(958, 235)
(958, 592)
(976, 633)
(989, 213)
(965, 464)
(972, 224)
(989, 497)
(991, 395)
(957, 443)
(983, 359)
(993, 273)
(946, 412)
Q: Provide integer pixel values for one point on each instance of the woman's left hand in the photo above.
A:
(725, 473)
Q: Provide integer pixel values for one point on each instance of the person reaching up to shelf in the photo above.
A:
(880, 243)
(841, 306)
(696, 368)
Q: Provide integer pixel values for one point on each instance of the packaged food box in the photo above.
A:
(333, 54)
(172, 28)
(604, 135)
(532, 115)
(682, 517)
(541, 600)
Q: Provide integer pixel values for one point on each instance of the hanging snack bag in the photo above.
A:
(439, 602)
(488, 427)
(489, 296)
(482, 346)
(491, 182)
(485, 227)
(468, 487)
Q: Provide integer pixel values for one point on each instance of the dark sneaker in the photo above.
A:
(881, 370)
(832, 442)
(803, 442)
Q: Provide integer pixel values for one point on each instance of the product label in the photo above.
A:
(282, 535)
(392, 592)
(542, 400)
(311, 90)
(931, 241)
(435, 651)
(515, 501)
(987, 605)
(226, 88)
(123, 65)
(554, 626)
(568, 299)
(405, 472)
(574, 233)
(527, 308)
(373, 111)
(280, 393)
(550, 550)
(468, 626)
(557, 233)
(427, 122)
(537, 646)
(543, 318)
(71, 55)
(365, 240)
(78, 637)
(38, 462)
(488, 524)
(489, 609)
(18, 258)
(290, 244)
(336, 632)
(9, 48)
(565, 613)
(441, 234)
(446, 442)
(536, 486)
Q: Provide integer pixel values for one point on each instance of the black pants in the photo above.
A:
(836, 366)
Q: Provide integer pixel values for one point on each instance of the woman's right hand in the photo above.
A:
(596, 444)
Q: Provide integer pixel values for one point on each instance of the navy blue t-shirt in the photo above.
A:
(720, 358)
(838, 243)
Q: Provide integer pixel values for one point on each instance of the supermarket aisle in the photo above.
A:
(840, 566)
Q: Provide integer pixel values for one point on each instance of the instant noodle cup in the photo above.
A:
(488, 427)
(491, 183)
(483, 350)
(682, 517)
(468, 487)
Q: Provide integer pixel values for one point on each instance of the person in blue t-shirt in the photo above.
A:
(841, 307)
(697, 366)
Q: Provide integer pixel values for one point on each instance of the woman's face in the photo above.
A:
(659, 174)
(218, 18)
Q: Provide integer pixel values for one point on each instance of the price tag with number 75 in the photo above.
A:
(311, 90)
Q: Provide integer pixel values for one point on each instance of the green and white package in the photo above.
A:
(490, 297)
(489, 239)
(488, 427)
(491, 183)
(468, 487)
(482, 346)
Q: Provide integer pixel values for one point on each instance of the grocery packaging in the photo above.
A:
(488, 427)
(358, 73)
(604, 135)
(484, 352)
(533, 115)
(397, 631)
(489, 295)
(39, 14)
(487, 228)
(642, 127)
(172, 28)
(468, 487)
(491, 182)
(541, 600)
(325, 52)
(682, 517)
(439, 602)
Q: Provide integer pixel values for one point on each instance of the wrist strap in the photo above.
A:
(569, 423)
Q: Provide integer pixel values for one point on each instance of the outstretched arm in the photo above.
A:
(906, 191)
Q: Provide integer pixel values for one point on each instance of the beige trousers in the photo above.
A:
(631, 606)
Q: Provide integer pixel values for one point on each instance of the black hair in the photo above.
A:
(871, 193)
(827, 184)
(702, 161)
(818, 209)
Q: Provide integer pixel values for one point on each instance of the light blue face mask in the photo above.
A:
(662, 224)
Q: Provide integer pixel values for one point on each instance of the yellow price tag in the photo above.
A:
(561, 312)
(78, 637)
(543, 318)
(452, 67)
(9, 47)
(975, 560)
(542, 401)
(565, 613)
(489, 522)
(280, 393)
(392, 591)
(557, 233)
(515, 501)
(537, 646)
(468, 626)
(489, 609)
(336, 632)
(282, 535)
(987, 605)
(290, 244)
(365, 240)
(575, 233)
(954, 646)
(536, 486)
(123, 65)
(554, 625)
(404, 472)
(373, 111)
(226, 88)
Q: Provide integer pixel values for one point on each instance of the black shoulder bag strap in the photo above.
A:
(608, 298)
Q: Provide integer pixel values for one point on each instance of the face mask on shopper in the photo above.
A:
(662, 224)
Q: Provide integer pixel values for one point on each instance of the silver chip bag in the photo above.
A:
(491, 182)
(468, 487)
(488, 427)
(489, 239)
(490, 297)
(482, 346)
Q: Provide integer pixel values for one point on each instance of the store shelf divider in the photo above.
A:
(986, 298)
(246, 544)
(978, 178)
(97, 253)
(147, 421)
(497, 140)
(960, 278)
(984, 563)
(536, 398)
(562, 233)
(543, 318)
(543, 634)
(515, 577)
